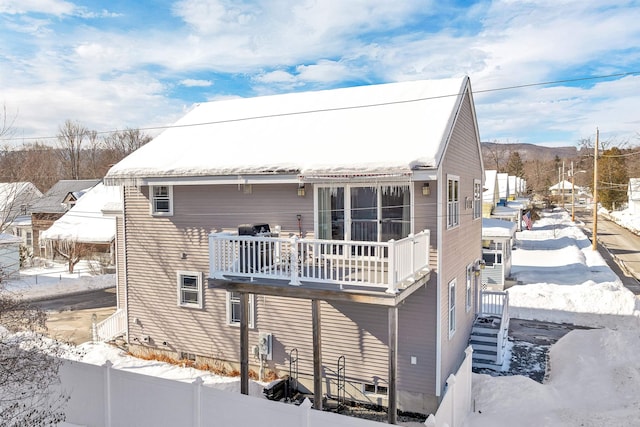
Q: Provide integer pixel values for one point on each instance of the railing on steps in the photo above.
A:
(111, 327)
(496, 303)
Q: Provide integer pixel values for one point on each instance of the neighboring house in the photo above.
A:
(9, 256)
(491, 193)
(562, 187)
(288, 233)
(16, 201)
(513, 188)
(53, 204)
(85, 228)
(497, 241)
(503, 189)
(633, 193)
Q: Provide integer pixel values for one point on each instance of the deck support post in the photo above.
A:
(317, 354)
(244, 343)
(393, 365)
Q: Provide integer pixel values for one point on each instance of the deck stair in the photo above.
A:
(489, 335)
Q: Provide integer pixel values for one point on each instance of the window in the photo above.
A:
(452, 307)
(189, 289)
(375, 389)
(477, 199)
(161, 200)
(29, 238)
(468, 294)
(233, 309)
(453, 201)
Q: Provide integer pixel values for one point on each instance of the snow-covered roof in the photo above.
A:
(634, 188)
(15, 194)
(85, 222)
(391, 128)
(51, 201)
(562, 184)
(6, 239)
(497, 227)
(512, 184)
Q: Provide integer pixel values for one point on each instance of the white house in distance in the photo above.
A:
(633, 193)
(16, 199)
(503, 188)
(491, 193)
(85, 224)
(9, 256)
(497, 241)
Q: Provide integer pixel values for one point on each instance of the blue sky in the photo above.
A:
(141, 64)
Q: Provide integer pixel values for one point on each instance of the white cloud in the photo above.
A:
(196, 83)
(52, 7)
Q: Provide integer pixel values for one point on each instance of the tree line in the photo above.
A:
(617, 162)
(77, 153)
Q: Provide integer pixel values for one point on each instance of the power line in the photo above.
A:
(156, 128)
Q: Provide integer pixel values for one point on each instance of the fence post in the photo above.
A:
(107, 393)
(451, 390)
(306, 407)
(197, 401)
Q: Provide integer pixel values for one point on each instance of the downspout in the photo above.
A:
(125, 259)
(439, 247)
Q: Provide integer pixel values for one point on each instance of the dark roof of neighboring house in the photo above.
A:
(51, 201)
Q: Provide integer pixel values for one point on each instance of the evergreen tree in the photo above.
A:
(612, 179)
(515, 167)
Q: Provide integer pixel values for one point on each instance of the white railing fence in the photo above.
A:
(496, 303)
(102, 396)
(373, 264)
(456, 402)
(111, 327)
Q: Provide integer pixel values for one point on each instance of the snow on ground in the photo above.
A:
(626, 219)
(54, 279)
(593, 378)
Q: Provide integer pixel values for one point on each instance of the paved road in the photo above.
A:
(617, 245)
(69, 318)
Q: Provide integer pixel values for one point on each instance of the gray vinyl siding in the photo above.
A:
(461, 245)
(154, 255)
(493, 275)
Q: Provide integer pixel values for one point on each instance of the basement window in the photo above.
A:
(375, 389)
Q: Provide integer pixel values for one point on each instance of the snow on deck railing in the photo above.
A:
(386, 265)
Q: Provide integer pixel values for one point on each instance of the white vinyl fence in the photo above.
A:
(101, 396)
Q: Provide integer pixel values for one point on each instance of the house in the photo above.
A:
(491, 193)
(330, 236)
(513, 188)
(53, 204)
(562, 187)
(16, 201)
(633, 193)
(503, 188)
(9, 256)
(497, 241)
(85, 229)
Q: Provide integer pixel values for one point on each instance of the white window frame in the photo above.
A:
(154, 199)
(468, 294)
(452, 308)
(182, 302)
(453, 201)
(477, 199)
(233, 301)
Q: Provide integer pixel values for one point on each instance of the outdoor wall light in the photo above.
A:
(301, 189)
(425, 189)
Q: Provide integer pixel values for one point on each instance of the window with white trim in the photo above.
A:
(189, 289)
(161, 200)
(453, 201)
(468, 295)
(477, 199)
(233, 309)
(452, 307)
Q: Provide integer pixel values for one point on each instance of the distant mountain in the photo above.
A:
(529, 151)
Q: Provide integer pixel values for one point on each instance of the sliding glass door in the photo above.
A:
(364, 212)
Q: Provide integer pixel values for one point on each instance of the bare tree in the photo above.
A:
(70, 139)
(6, 123)
(71, 250)
(496, 154)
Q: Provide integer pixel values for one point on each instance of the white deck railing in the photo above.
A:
(496, 303)
(384, 265)
(111, 327)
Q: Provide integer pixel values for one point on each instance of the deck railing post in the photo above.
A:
(295, 278)
(392, 274)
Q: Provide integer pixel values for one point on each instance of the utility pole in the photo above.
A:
(562, 185)
(573, 195)
(594, 243)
